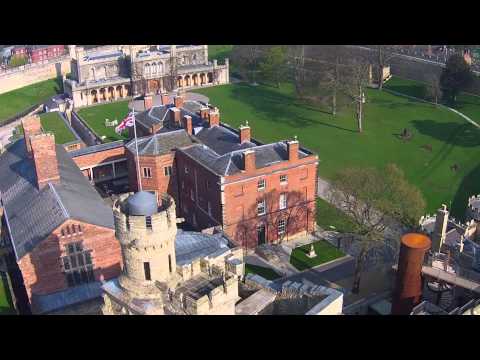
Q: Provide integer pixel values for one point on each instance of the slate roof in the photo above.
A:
(217, 148)
(97, 148)
(160, 143)
(193, 245)
(231, 162)
(159, 115)
(32, 214)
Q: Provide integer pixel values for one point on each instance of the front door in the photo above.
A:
(261, 234)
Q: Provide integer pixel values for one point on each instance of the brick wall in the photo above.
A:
(99, 157)
(203, 193)
(241, 195)
(158, 181)
(42, 267)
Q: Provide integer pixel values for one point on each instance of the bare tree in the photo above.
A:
(247, 58)
(383, 55)
(433, 89)
(372, 198)
(354, 85)
(296, 213)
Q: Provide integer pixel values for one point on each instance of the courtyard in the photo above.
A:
(325, 252)
(438, 158)
(95, 117)
(52, 122)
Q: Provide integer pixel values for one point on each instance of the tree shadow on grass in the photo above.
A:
(464, 135)
(469, 186)
(279, 107)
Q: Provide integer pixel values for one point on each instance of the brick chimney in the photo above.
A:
(165, 99)
(45, 159)
(249, 161)
(214, 117)
(204, 112)
(148, 102)
(244, 133)
(187, 124)
(178, 101)
(292, 148)
(175, 116)
(31, 126)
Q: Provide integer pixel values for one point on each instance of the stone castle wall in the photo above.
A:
(33, 73)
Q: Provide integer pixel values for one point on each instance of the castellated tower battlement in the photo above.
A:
(219, 300)
(473, 208)
(146, 230)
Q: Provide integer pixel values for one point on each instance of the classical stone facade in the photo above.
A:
(123, 71)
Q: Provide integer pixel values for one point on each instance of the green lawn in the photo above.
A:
(264, 272)
(219, 52)
(325, 252)
(338, 144)
(328, 216)
(5, 299)
(52, 122)
(16, 101)
(95, 118)
(466, 103)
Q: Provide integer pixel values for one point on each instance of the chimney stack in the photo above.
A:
(214, 117)
(45, 159)
(178, 101)
(165, 99)
(440, 230)
(408, 285)
(249, 161)
(175, 116)
(31, 126)
(148, 102)
(244, 133)
(292, 148)
(204, 110)
(187, 124)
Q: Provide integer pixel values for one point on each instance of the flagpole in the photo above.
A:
(136, 148)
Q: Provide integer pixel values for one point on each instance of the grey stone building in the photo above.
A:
(114, 72)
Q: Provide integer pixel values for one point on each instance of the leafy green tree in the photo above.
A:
(456, 76)
(273, 64)
(375, 199)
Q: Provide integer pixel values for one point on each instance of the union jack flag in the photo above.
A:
(127, 122)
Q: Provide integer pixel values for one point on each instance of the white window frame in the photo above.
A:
(263, 186)
(261, 205)
(282, 203)
(283, 182)
(281, 227)
(186, 170)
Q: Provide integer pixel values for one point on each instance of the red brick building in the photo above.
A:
(60, 230)
(221, 176)
(38, 53)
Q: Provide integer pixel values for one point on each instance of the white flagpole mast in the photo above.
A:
(136, 149)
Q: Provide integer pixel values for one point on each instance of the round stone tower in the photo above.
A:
(146, 230)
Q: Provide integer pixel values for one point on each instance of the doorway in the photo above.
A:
(261, 238)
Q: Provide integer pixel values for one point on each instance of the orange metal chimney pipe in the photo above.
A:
(408, 285)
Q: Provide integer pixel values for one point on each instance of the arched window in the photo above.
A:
(92, 73)
(146, 69)
(194, 58)
(185, 60)
(160, 68)
(105, 72)
(154, 68)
